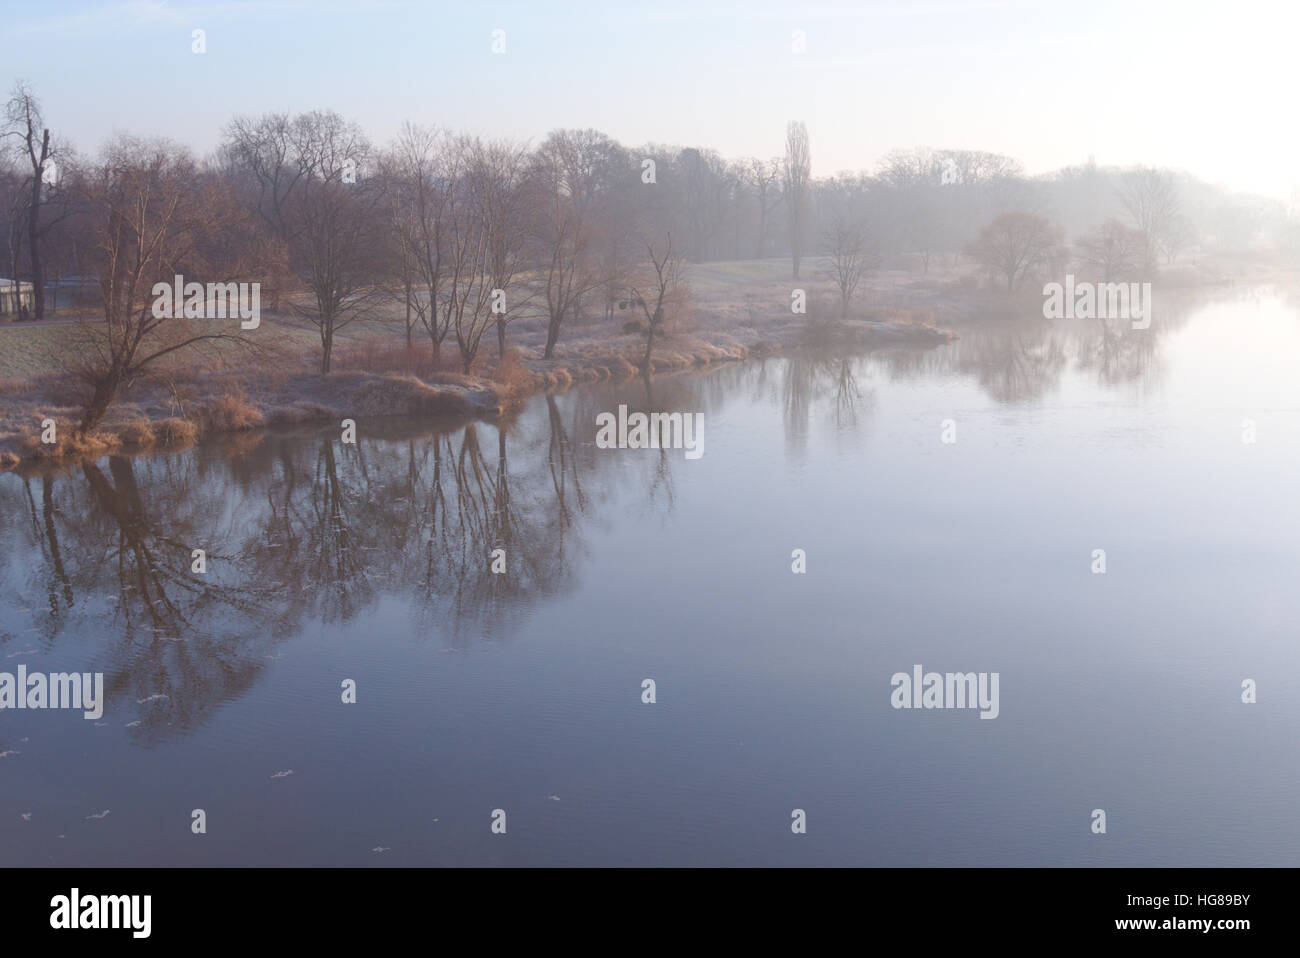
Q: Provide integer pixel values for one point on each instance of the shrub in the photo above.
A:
(232, 413)
(511, 374)
(137, 432)
(175, 432)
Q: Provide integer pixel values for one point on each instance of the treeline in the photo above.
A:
(466, 234)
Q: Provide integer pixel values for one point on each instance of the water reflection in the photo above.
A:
(1022, 359)
(296, 529)
(300, 529)
(812, 381)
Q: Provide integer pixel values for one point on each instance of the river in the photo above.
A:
(1175, 450)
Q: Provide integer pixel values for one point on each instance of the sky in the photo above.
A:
(1199, 86)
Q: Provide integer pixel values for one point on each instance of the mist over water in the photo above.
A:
(523, 692)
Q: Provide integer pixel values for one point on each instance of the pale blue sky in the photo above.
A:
(1202, 86)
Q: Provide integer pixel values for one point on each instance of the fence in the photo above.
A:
(15, 300)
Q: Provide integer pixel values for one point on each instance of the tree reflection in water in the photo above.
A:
(301, 529)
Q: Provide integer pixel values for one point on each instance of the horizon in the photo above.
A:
(946, 87)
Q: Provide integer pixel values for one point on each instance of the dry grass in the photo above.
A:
(30, 349)
(232, 413)
(513, 377)
(70, 445)
(133, 435)
(175, 432)
(398, 394)
(137, 433)
(299, 414)
(910, 317)
(389, 354)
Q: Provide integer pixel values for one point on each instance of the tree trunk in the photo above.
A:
(437, 351)
(51, 536)
(649, 344)
(33, 233)
(552, 336)
(408, 317)
(104, 390)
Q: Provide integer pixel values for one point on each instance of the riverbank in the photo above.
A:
(739, 310)
(221, 392)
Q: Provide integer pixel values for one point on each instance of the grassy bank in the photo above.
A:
(738, 310)
(219, 388)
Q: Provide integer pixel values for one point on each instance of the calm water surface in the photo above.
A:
(523, 692)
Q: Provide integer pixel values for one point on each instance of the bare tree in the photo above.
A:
(398, 191)
(798, 174)
(481, 245)
(765, 179)
(276, 157)
(1180, 235)
(483, 224)
(977, 166)
(154, 216)
(850, 259)
(616, 261)
(13, 209)
(421, 173)
(707, 188)
(1150, 197)
(431, 165)
(313, 192)
(1016, 245)
(1113, 250)
(467, 295)
(266, 150)
(338, 256)
(23, 121)
(501, 191)
(660, 292)
(563, 188)
(59, 235)
(921, 192)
